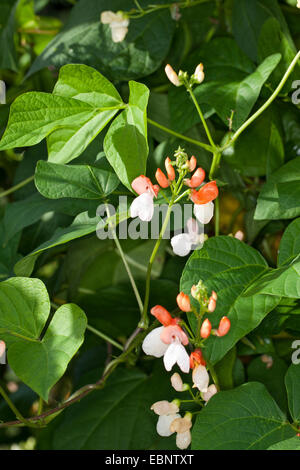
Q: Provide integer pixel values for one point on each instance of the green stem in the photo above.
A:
(190, 91)
(11, 405)
(41, 406)
(181, 136)
(214, 375)
(144, 319)
(267, 103)
(217, 217)
(17, 186)
(215, 164)
(105, 337)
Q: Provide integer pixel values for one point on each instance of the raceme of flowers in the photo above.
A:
(171, 341)
(200, 193)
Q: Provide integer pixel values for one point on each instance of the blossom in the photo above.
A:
(172, 75)
(2, 92)
(167, 341)
(118, 24)
(143, 206)
(167, 412)
(2, 352)
(196, 179)
(161, 178)
(183, 242)
(204, 207)
(200, 378)
(204, 212)
(182, 427)
(164, 407)
(163, 424)
(211, 391)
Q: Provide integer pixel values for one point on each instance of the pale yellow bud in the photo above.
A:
(172, 75)
(199, 74)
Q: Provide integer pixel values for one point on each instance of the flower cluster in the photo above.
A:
(170, 341)
(179, 79)
(200, 193)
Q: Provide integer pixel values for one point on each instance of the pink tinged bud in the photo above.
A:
(161, 178)
(205, 329)
(211, 305)
(200, 378)
(170, 169)
(164, 407)
(172, 75)
(183, 440)
(196, 179)
(224, 327)
(162, 315)
(183, 302)
(199, 74)
(211, 391)
(163, 424)
(204, 212)
(239, 235)
(2, 352)
(153, 345)
(177, 383)
(214, 295)
(192, 163)
(268, 360)
(170, 333)
(142, 207)
(181, 425)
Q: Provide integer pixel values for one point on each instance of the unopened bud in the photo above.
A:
(172, 75)
(161, 178)
(224, 326)
(183, 302)
(192, 163)
(211, 305)
(205, 329)
(176, 382)
(199, 74)
(239, 235)
(170, 169)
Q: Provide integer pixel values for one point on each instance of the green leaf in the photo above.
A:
(259, 150)
(289, 246)
(239, 96)
(57, 181)
(125, 143)
(8, 58)
(287, 444)
(117, 417)
(229, 267)
(85, 40)
(241, 419)
(89, 86)
(248, 19)
(292, 383)
(25, 307)
(279, 197)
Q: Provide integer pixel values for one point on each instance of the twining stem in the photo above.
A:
(266, 104)
(144, 322)
(190, 91)
(105, 337)
(181, 136)
(17, 186)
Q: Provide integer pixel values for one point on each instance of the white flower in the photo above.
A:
(2, 92)
(183, 439)
(163, 424)
(118, 24)
(173, 352)
(200, 378)
(143, 207)
(164, 407)
(204, 212)
(182, 243)
(211, 391)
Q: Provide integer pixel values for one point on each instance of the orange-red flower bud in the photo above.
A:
(214, 295)
(205, 329)
(196, 357)
(162, 315)
(183, 302)
(170, 169)
(192, 163)
(161, 178)
(196, 179)
(207, 193)
(224, 326)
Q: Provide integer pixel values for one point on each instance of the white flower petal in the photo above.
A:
(164, 423)
(176, 353)
(201, 378)
(143, 207)
(204, 212)
(183, 439)
(118, 32)
(153, 345)
(211, 391)
(181, 244)
(108, 17)
(2, 92)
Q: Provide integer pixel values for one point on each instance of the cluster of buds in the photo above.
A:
(182, 78)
